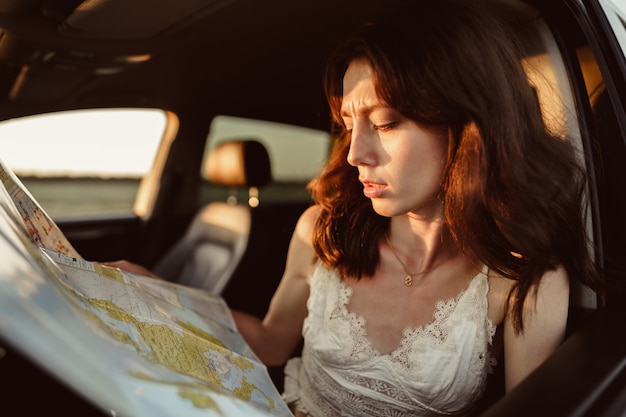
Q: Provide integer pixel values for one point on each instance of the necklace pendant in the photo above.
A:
(408, 280)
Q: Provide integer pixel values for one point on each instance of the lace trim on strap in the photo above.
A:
(436, 335)
(360, 347)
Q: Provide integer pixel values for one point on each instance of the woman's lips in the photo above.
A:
(372, 189)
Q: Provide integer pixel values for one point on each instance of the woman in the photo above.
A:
(448, 225)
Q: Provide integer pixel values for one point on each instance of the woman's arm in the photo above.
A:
(275, 337)
(545, 321)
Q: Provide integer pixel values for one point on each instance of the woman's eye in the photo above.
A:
(384, 126)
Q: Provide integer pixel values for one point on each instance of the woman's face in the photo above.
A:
(400, 163)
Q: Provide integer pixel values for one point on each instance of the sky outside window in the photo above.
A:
(109, 143)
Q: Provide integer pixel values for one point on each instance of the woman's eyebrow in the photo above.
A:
(365, 110)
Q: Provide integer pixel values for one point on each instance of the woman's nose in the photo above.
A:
(360, 151)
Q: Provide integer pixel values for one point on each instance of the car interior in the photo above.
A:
(200, 60)
(216, 239)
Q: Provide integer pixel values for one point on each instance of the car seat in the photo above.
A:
(213, 244)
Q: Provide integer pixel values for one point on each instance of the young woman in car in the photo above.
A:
(448, 227)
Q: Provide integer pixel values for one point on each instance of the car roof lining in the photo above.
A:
(115, 19)
(49, 42)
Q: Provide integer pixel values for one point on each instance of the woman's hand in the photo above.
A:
(131, 267)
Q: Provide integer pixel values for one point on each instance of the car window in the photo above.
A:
(615, 11)
(84, 162)
(608, 146)
(550, 76)
(296, 155)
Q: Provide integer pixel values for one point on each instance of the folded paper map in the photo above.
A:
(133, 346)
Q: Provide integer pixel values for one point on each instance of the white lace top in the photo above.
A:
(439, 369)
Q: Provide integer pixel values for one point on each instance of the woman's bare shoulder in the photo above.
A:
(553, 281)
(311, 213)
(307, 220)
(301, 253)
(554, 284)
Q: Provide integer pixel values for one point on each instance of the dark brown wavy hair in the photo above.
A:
(514, 193)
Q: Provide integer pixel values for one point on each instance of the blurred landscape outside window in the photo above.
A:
(296, 153)
(86, 162)
(90, 162)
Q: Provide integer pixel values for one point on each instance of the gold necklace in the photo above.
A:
(408, 278)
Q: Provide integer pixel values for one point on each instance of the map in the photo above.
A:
(132, 345)
(42, 229)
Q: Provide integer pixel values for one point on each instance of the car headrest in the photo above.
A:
(239, 163)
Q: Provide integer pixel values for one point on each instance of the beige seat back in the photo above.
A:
(216, 239)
